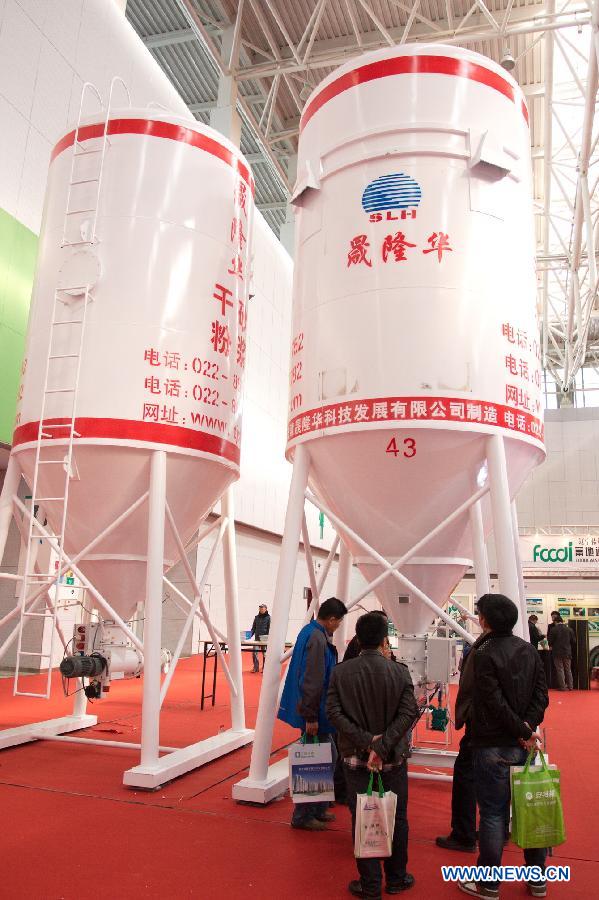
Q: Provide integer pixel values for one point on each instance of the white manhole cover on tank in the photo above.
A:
(80, 271)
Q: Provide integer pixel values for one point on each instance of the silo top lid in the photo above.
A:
(434, 59)
(159, 123)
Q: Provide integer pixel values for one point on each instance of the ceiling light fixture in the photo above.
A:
(507, 60)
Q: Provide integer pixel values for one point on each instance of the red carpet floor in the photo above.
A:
(68, 827)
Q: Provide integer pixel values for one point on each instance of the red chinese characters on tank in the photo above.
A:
(395, 247)
(358, 252)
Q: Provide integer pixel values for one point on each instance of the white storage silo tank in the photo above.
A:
(168, 203)
(415, 333)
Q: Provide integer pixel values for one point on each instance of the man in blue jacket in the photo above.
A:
(305, 693)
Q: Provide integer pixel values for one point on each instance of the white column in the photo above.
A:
(343, 589)
(232, 607)
(523, 621)
(507, 569)
(10, 486)
(224, 117)
(150, 717)
(479, 550)
(287, 230)
(280, 616)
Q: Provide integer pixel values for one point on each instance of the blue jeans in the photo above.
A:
(493, 795)
(304, 811)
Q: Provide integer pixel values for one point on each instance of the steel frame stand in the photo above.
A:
(154, 769)
(265, 782)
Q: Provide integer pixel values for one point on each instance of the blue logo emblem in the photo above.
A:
(390, 192)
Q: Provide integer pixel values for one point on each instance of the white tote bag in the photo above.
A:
(375, 822)
(311, 772)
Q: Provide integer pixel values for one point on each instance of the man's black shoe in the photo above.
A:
(449, 843)
(355, 888)
(396, 887)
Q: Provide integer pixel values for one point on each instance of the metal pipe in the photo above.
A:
(327, 564)
(429, 776)
(414, 549)
(392, 570)
(124, 745)
(82, 553)
(502, 517)
(110, 612)
(479, 550)
(522, 618)
(150, 711)
(222, 637)
(343, 590)
(48, 600)
(198, 593)
(191, 615)
(232, 611)
(464, 611)
(547, 141)
(310, 562)
(280, 615)
(476, 35)
(592, 84)
(10, 486)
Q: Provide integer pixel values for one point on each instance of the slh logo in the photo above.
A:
(392, 198)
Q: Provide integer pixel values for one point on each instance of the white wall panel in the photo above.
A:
(565, 489)
(50, 108)
(14, 128)
(20, 45)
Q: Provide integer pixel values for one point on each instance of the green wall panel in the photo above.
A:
(18, 252)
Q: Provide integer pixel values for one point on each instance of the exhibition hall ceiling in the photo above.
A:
(277, 51)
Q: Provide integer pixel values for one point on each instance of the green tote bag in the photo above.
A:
(537, 815)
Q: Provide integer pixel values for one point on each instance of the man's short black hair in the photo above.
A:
(533, 618)
(332, 608)
(500, 612)
(371, 629)
(558, 618)
(556, 613)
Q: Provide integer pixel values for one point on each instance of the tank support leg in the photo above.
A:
(343, 592)
(10, 487)
(150, 720)
(263, 784)
(522, 590)
(503, 527)
(479, 550)
(232, 610)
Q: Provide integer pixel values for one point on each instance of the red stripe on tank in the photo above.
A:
(412, 65)
(127, 429)
(155, 128)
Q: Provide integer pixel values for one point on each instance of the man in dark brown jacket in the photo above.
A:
(371, 704)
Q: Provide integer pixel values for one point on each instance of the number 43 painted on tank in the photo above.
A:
(409, 448)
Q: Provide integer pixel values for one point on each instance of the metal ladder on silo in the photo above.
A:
(47, 429)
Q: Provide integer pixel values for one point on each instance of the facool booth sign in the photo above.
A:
(569, 552)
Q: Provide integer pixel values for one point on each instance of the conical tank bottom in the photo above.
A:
(407, 611)
(392, 502)
(107, 481)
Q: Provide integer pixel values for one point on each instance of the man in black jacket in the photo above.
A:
(534, 632)
(463, 798)
(509, 702)
(260, 630)
(562, 641)
(371, 704)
